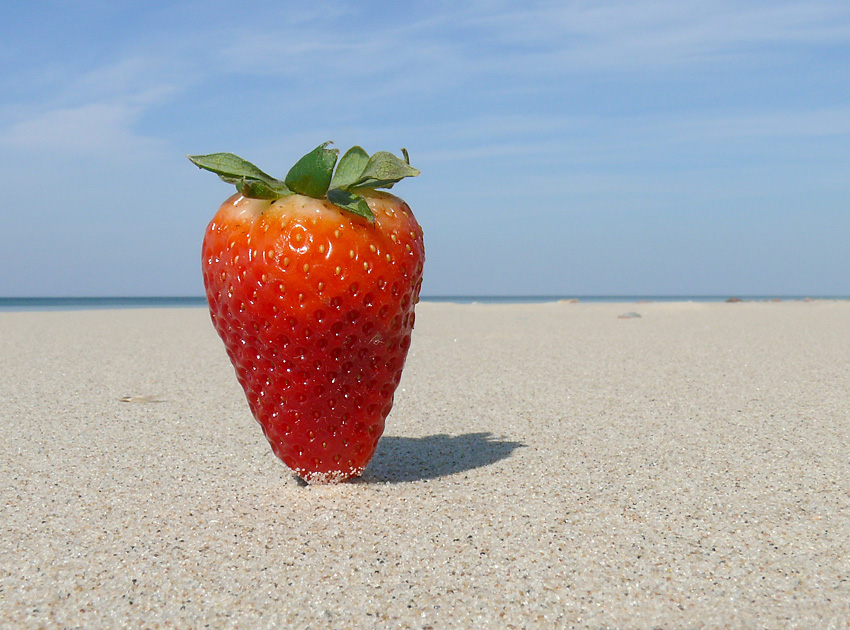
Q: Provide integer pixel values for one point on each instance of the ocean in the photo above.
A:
(97, 303)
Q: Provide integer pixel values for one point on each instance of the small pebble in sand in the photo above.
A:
(140, 399)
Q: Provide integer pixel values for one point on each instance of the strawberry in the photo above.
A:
(311, 283)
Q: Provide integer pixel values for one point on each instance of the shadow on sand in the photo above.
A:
(403, 459)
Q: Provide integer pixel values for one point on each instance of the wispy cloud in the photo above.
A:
(460, 41)
(95, 128)
(97, 111)
(140, 79)
(614, 139)
(629, 35)
(815, 123)
(480, 49)
(327, 57)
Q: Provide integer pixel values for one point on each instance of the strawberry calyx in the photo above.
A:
(314, 176)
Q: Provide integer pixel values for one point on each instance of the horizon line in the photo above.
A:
(463, 296)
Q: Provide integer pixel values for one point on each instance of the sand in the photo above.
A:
(545, 466)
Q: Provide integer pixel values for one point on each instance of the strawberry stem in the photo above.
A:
(313, 176)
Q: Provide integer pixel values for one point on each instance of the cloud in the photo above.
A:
(94, 128)
(509, 56)
(137, 79)
(371, 62)
(778, 124)
(628, 35)
(97, 111)
(591, 139)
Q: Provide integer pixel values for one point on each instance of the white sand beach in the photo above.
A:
(544, 466)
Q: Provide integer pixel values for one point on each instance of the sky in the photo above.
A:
(680, 147)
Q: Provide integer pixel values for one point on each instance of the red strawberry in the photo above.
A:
(311, 283)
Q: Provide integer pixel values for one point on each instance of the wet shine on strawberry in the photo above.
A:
(311, 283)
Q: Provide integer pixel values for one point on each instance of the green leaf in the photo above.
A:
(256, 189)
(350, 168)
(311, 175)
(248, 179)
(352, 202)
(227, 164)
(383, 170)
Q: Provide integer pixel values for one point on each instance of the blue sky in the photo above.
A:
(567, 148)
